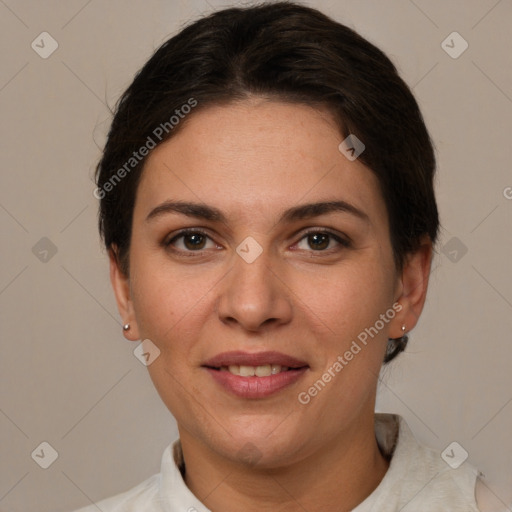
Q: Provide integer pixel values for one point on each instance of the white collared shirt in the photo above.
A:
(417, 480)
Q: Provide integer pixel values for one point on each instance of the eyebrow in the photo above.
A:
(301, 212)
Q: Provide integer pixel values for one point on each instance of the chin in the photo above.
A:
(267, 447)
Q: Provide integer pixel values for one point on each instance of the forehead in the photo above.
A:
(257, 155)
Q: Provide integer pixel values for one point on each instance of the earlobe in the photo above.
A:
(121, 286)
(413, 288)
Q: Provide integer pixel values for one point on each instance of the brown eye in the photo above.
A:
(318, 241)
(194, 241)
(322, 241)
(190, 241)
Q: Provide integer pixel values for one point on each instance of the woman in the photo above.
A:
(266, 198)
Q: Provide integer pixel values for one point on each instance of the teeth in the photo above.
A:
(234, 369)
(247, 371)
(275, 368)
(264, 370)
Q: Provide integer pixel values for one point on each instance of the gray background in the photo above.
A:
(69, 378)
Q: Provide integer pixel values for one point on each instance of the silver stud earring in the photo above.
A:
(126, 327)
(403, 329)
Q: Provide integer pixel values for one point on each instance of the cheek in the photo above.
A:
(171, 308)
(341, 308)
(162, 298)
(347, 299)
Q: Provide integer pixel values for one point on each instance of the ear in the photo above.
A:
(121, 286)
(412, 288)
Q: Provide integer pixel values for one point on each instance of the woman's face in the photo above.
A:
(263, 280)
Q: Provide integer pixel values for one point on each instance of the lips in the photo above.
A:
(256, 359)
(256, 375)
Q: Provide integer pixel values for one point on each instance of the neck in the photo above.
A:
(343, 472)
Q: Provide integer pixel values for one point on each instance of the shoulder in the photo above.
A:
(161, 492)
(140, 498)
(419, 478)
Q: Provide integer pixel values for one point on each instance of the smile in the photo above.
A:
(254, 371)
(256, 375)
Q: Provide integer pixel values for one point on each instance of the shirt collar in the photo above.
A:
(175, 495)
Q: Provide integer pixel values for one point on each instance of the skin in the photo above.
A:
(252, 160)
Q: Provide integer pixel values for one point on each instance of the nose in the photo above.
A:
(254, 295)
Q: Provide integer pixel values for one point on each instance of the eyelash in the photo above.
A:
(345, 243)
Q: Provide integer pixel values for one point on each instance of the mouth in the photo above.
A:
(256, 375)
(264, 370)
